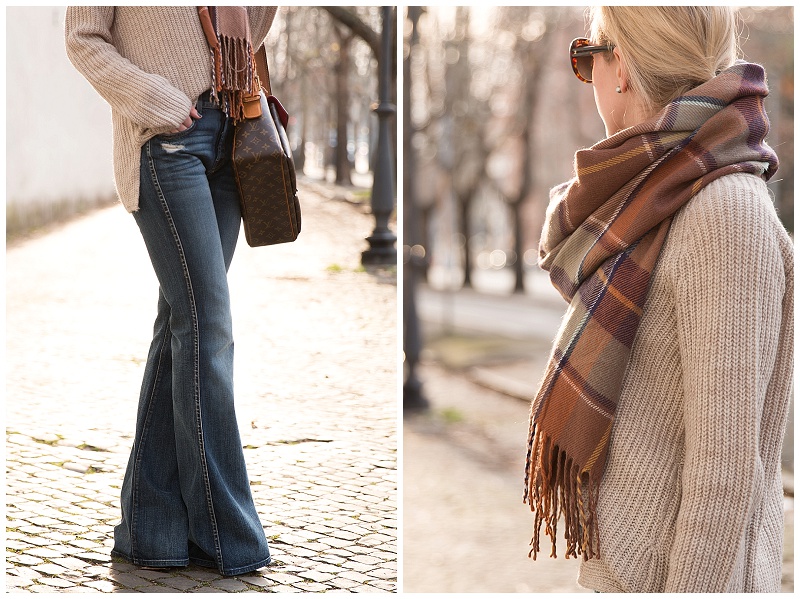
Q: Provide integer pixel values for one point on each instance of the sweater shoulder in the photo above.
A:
(734, 214)
(742, 197)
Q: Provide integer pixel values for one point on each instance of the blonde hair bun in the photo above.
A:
(668, 50)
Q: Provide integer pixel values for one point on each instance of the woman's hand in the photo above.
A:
(193, 115)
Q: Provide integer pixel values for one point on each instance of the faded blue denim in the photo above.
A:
(186, 495)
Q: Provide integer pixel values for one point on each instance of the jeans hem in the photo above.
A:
(157, 563)
(232, 571)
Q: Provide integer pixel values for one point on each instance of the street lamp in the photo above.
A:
(382, 248)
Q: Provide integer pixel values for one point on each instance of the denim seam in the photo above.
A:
(219, 153)
(140, 449)
(196, 348)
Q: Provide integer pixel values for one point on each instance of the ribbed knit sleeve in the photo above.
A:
(729, 298)
(146, 99)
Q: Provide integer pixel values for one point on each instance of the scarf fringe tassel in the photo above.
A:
(558, 487)
(234, 74)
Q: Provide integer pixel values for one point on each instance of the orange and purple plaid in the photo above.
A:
(603, 233)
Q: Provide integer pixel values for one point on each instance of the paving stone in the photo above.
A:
(154, 588)
(316, 575)
(383, 573)
(344, 535)
(59, 537)
(97, 571)
(366, 559)
(85, 544)
(358, 566)
(340, 543)
(257, 581)
(321, 566)
(43, 588)
(23, 558)
(42, 521)
(300, 551)
(229, 585)
(94, 556)
(325, 530)
(49, 569)
(314, 547)
(70, 563)
(311, 587)
(45, 552)
(344, 583)
(387, 586)
(286, 589)
(71, 550)
(200, 575)
(180, 582)
(24, 572)
(368, 589)
(29, 542)
(17, 581)
(104, 586)
(126, 579)
(151, 574)
(282, 578)
(57, 582)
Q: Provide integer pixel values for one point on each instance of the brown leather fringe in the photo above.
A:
(555, 487)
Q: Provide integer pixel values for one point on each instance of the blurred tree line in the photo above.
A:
(324, 68)
(495, 116)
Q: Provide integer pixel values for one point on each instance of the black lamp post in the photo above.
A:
(382, 248)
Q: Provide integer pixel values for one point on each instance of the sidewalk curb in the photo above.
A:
(506, 385)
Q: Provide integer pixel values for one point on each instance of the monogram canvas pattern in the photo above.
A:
(266, 178)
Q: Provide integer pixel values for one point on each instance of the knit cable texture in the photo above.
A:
(692, 498)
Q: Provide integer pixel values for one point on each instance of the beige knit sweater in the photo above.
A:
(691, 498)
(150, 63)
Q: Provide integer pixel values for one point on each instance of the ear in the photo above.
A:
(621, 69)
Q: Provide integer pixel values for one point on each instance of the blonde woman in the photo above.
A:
(656, 433)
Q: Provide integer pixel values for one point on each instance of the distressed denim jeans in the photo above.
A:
(186, 495)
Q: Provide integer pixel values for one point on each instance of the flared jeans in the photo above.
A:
(186, 494)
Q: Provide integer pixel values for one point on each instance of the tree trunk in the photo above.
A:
(465, 203)
(519, 264)
(342, 109)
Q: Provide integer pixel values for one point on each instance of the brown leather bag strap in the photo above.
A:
(208, 26)
(263, 70)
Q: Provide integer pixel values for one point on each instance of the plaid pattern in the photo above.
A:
(603, 233)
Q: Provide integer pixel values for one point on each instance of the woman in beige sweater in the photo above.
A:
(656, 433)
(185, 495)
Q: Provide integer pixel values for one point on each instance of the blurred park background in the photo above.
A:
(493, 115)
(324, 66)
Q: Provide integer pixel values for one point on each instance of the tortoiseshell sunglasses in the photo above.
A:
(581, 53)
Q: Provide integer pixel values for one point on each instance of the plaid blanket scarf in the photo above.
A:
(603, 233)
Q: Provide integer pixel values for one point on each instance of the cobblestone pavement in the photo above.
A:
(316, 362)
